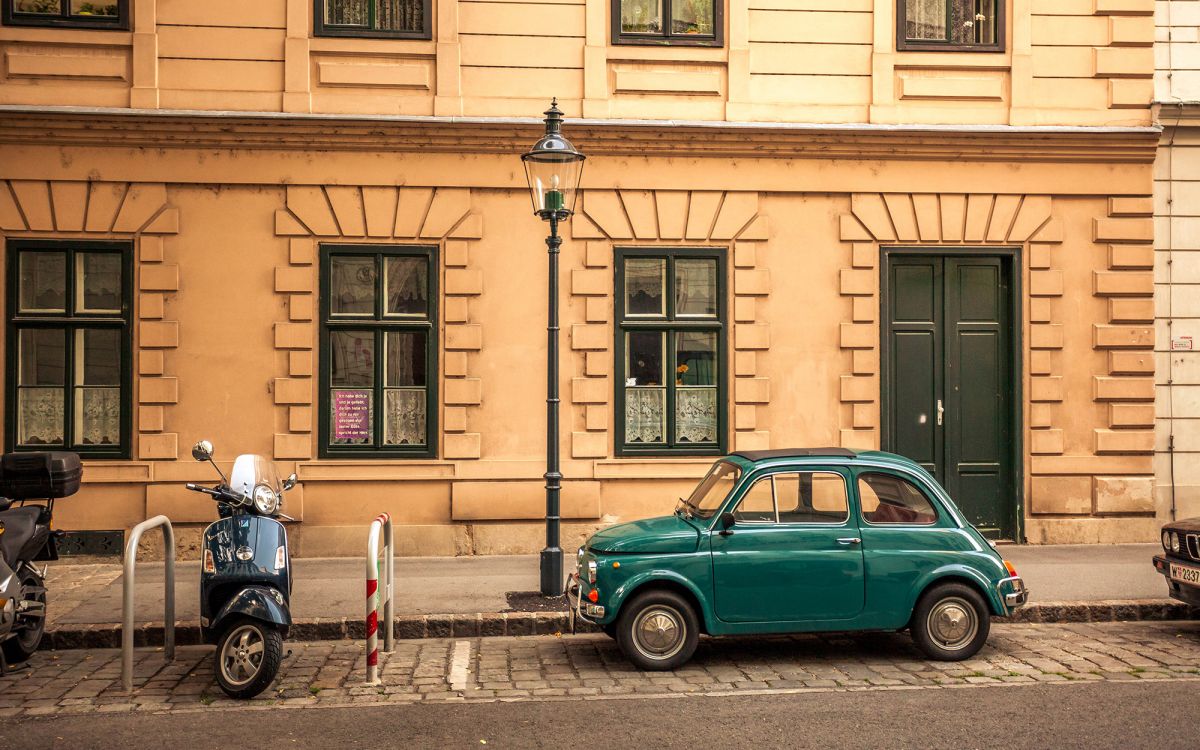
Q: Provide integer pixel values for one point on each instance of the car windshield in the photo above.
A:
(706, 499)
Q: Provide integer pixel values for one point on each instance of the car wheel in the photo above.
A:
(31, 625)
(658, 630)
(951, 622)
(247, 658)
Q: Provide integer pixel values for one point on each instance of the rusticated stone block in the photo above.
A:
(520, 623)
(410, 626)
(465, 626)
(439, 626)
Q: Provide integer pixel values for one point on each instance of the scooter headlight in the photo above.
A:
(265, 500)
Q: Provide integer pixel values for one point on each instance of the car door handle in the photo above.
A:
(848, 540)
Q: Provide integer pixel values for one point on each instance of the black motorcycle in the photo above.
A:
(245, 573)
(25, 538)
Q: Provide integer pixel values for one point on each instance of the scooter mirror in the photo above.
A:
(202, 451)
(290, 482)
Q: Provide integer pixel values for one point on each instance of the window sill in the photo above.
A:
(373, 45)
(673, 43)
(667, 53)
(66, 35)
(666, 467)
(368, 468)
(981, 59)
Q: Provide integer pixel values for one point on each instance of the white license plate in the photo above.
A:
(1185, 574)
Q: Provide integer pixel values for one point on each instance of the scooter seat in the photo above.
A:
(19, 527)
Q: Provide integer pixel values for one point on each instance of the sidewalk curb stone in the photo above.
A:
(489, 624)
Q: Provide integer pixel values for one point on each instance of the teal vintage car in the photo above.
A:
(790, 541)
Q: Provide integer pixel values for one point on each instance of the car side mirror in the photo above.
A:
(725, 523)
(290, 482)
(202, 451)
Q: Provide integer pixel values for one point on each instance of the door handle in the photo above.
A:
(941, 411)
(848, 540)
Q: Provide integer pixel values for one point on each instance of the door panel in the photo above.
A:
(916, 354)
(787, 573)
(967, 367)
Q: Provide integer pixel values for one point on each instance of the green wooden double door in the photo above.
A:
(948, 400)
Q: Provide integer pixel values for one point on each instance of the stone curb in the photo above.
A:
(549, 623)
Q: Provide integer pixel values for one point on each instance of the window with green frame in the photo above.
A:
(670, 351)
(69, 347)
(404, 19)
(378, 376)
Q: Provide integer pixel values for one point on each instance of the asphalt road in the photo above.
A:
(1095, 716)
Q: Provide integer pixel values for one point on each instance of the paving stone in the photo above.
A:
(578, 667)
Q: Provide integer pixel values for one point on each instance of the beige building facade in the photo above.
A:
(302, 229)
(1177, 260)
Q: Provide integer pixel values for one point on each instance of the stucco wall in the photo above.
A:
(1177, 260)
(226, 338)
(1077, 62)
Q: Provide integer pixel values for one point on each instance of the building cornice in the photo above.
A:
(186, 129)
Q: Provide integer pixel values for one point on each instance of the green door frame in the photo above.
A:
(1013, 257)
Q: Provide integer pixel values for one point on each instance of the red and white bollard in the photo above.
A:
(382, 521)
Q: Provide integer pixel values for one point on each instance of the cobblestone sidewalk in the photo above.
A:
(590, 666)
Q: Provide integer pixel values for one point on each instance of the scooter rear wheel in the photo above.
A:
(28, 637)
(247, 658)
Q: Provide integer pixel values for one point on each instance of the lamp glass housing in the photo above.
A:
(553, 168)
(553, 181)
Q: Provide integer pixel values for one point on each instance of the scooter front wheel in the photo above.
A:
(247, 658)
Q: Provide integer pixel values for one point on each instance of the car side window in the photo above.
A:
(888, 499)
(811, 497)
(758, 504)
(795, 497)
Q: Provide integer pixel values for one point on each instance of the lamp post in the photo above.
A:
(553, 167)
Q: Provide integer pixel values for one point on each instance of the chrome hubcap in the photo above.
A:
(242, 655)
(658, 632)
(953, 623)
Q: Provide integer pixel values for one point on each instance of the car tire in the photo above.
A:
(950, 622)
(238, 672)
(658, 630)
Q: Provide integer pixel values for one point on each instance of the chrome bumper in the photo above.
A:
(578, 610)
(1016, 597)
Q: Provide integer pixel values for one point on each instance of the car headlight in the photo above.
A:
(1166, 540)
(591, 571)
(1174, 542)
(265, 500)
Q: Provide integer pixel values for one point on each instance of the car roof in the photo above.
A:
(826, 452)
(796, 453)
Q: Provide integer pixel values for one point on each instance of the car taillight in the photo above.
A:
(209, 565)
(1012, 571)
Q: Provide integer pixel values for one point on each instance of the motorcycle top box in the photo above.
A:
(41, 475)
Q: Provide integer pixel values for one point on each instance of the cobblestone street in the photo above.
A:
(588, 666)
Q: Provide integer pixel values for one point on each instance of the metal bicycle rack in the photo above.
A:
(127, 595)
(382, 522)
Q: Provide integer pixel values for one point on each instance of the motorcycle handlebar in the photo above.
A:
(218, 494)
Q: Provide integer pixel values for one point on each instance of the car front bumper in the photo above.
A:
(1178, 590)
(579, 609)
(1013, 593)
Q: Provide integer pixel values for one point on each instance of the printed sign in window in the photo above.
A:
(352, 416)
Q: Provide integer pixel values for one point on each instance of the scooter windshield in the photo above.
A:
(250, 471)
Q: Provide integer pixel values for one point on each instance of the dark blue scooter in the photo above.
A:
(245, 573)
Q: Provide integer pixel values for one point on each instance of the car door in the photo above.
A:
(793, 553)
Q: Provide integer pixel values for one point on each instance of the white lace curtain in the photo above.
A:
(967, 22)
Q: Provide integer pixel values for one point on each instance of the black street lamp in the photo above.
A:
(553, 167)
